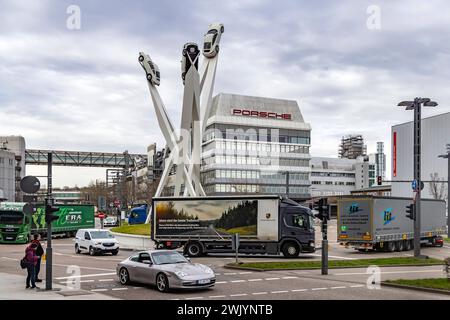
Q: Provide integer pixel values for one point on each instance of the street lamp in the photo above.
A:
(416, 105)
(447, 156)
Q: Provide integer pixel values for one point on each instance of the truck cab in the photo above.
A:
(15, 222)
(138, 215)
(296, 227)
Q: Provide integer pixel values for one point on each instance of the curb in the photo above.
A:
(130, 235)
(318, 268)
(402, 286)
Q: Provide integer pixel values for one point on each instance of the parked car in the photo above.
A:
(95, 241)
(151, 69)
(110, 222)
(165, 269)
(212, 39)
(191, 54)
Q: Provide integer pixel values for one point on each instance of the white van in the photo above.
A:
(96, 241)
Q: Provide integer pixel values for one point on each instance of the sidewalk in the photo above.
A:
(12, 287)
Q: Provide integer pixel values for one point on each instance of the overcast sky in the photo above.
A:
(85, 90)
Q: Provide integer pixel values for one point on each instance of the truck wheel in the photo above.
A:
(77, 250)
(399, 246)
(194, 249)
(290, 250)
(390, 246)
(408, 245)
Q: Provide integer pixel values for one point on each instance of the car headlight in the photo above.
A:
(98, 243)
(180, 274)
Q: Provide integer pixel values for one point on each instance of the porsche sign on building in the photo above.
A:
(435, 136)
(256, 145)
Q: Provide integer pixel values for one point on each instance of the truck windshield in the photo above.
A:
(8, 217)
(101, 235)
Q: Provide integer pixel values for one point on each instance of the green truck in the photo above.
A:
(17, 225)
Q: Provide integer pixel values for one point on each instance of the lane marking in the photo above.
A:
(357, 286)
(269, 279)
(315, 289)
(87, 275)
(99, 290)
(194, 298)
(239, 295)
(299, 290)
(221, 282)
(10, 259)
(105, 280)
(251, 280)
(247, 272)
(289, 278)
(342, 287)
(137, 287)
(281, 291)
(230, 274)
(258, 293)
(119, 289)
(217, 297)
(90, 268)
(236, 281)
(80, 281)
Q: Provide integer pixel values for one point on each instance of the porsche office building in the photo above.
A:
(256, 145)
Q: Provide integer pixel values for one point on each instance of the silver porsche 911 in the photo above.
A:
(165, 269)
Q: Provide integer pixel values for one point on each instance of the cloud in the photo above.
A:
(84, 89)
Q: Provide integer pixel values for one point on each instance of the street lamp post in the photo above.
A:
(416, 105)
(447, 156)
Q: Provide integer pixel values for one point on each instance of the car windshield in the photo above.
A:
(168, 258)
(109, 219)
(101, 234)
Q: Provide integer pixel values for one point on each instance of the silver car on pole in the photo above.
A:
(165, 269)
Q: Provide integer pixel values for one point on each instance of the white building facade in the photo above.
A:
(339, 176)
(256, 145)
(435, 135)
(7, 176)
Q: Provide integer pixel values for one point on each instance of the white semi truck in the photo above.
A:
(380, 223)
(265, 224)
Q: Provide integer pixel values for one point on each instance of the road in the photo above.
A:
(98, 275)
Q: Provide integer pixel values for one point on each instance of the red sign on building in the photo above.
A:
(261, 114)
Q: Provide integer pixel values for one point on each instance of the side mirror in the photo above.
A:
(188, 259)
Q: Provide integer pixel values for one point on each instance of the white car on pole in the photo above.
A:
(212, 39)
(151, 69)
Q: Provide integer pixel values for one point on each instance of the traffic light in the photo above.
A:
(410, 211)
(49, 210)
(379, 182)
(322, 207)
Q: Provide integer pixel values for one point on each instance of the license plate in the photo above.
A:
(203, 281)
(9, 238)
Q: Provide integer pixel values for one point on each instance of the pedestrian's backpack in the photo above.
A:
(39, 250)
(23, 263)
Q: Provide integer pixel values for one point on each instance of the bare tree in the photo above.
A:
(437, 187)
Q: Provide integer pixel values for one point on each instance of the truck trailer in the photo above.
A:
(17, 224)
(380, 223)
(202, 225)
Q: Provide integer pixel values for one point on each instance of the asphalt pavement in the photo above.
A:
(98, 275)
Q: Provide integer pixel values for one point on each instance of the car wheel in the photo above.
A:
(222, 29)
(115, 252)
(91, 251)
(194, 249)
(149, 77)
(162, 283)
(77, 249)
(141, 58)
(290, 250)
(124, 276)
(217, 49)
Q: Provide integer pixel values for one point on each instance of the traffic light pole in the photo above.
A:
(48, 200)
(324, 247)
(417, 153)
